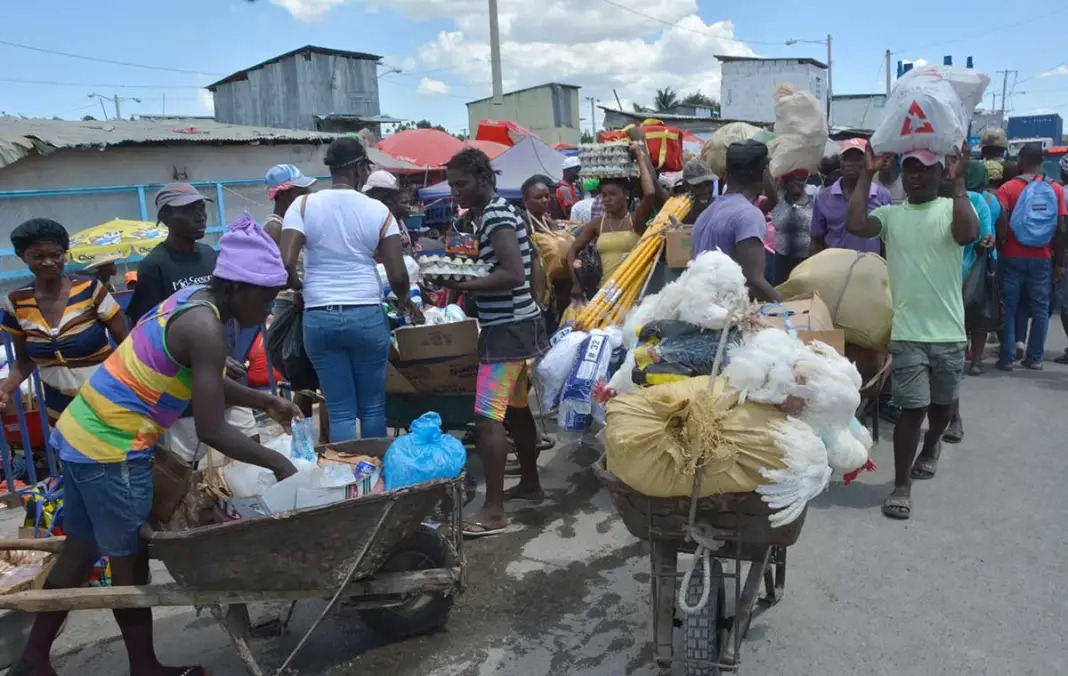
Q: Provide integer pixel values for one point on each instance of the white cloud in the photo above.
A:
(917, 63)
(308, 10)
(430, 87)
(206, 101)
(1059, 71)
(594, 45)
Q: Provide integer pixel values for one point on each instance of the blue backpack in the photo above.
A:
(1034, 218)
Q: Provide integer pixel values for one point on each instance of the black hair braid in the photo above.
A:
(474, 163)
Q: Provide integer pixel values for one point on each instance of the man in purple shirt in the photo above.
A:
(829, 207)
(733, 224)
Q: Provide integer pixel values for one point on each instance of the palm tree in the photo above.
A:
(666, 99)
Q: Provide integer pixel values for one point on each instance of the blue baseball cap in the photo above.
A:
(284, 176)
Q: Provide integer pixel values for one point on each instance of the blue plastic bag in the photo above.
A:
(424, 455)
(302, 446)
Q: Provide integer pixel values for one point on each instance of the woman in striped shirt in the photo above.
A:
(512, 333)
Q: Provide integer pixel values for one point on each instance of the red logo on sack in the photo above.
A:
(916, 122)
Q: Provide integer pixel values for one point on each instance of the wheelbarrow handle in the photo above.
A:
(53, 544)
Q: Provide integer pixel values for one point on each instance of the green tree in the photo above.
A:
(587, 137)
(665, 99)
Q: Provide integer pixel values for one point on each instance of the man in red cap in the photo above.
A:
(924, 238)
(829, 207)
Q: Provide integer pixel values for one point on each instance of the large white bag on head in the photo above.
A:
(715, 150)
(800, 131)
(969, 84)
(923, 112)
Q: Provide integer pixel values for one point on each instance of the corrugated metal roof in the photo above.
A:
(20, 137)
(734, 59)
(307, 49)
(527, 89)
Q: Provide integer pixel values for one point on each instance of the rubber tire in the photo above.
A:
(703, 634)
(425, 613)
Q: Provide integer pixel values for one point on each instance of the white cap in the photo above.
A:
(381, 179)
(571, 162)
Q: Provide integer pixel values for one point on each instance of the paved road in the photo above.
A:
(976, 583)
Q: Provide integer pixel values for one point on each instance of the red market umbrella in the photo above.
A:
(491, 148)
(502, 131)
(422, 147)
(563, 146)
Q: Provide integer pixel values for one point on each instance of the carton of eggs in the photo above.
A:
(455, 268)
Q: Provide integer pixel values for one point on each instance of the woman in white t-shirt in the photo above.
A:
(346, 335)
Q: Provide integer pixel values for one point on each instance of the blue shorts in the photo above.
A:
(107, 503)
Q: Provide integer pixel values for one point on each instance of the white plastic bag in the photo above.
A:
(923, 112)
(576, 401)
(800, 131)
(970, 85)
(553, 369)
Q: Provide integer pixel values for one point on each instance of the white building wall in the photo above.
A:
(747, 88)
(859, 112)
(531, 109)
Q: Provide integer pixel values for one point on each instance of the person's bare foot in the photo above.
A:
(485, 523)
(527, 493)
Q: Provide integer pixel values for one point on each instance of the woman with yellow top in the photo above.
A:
(618, 230)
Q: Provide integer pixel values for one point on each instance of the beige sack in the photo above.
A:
(715, 150)
(657, 437)
(856, 288)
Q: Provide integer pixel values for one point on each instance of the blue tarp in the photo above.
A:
(525, 159)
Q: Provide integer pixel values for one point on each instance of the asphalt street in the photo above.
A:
(975, 583)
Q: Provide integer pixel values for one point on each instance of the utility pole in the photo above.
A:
(888, 79)
(495, 54)
(830, 90)
(1004, 90)
(593, 116)
(115, 99)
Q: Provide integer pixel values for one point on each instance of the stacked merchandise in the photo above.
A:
(779, 420)
(607, 160)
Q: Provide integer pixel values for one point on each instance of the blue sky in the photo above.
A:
(633, 46)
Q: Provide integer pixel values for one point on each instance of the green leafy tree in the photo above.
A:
(665, 99)
(587, 137)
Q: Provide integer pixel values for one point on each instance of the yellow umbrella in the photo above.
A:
(116, 237)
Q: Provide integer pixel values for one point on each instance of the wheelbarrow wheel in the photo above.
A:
(704, 631)
(421, 613)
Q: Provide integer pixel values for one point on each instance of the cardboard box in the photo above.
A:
(809, 317)
(416, 343)
(678, 247)
(454, 375)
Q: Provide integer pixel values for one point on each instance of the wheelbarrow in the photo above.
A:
(372, 552)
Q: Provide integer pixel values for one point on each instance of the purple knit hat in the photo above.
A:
(248, 254)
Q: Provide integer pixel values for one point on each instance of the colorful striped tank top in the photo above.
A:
(135, 395)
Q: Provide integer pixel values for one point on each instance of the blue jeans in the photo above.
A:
(349, 347)
(107, 503)
(1031, 277)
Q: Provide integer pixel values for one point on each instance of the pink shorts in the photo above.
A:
(500, 386)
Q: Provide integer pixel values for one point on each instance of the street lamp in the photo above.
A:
(827, 41)
(117, 100)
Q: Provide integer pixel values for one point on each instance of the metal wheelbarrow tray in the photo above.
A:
(372, 551)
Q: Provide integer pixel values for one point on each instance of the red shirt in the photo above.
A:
(566, 197)
(1008, 194)
(257, 365)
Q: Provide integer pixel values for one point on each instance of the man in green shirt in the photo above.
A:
(923, 238)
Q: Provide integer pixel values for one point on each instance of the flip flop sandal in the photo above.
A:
(897, 507)
(953, 435)
(509, 496)
(924, 469)
(545, 443)
(1063, 359)
(976, 370)
(484, 530)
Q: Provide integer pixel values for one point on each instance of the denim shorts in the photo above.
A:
(107, 503)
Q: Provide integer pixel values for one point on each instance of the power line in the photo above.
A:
(676, 24)
(102, 60)
(1000, 29)
(96, 84)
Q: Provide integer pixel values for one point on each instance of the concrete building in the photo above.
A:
(858, 111)
(748, 84)
(311, 88)
(550, 110)
(86, 173)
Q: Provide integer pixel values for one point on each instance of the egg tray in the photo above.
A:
(607, 160)
(452, 268)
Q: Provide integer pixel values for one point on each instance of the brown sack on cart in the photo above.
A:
(657, 438)
(856, 288)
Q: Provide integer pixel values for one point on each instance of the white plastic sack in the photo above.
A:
(554, 368)
(970, 85)
(923, 112)
(800, 131)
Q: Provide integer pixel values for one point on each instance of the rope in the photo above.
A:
(706, 544)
